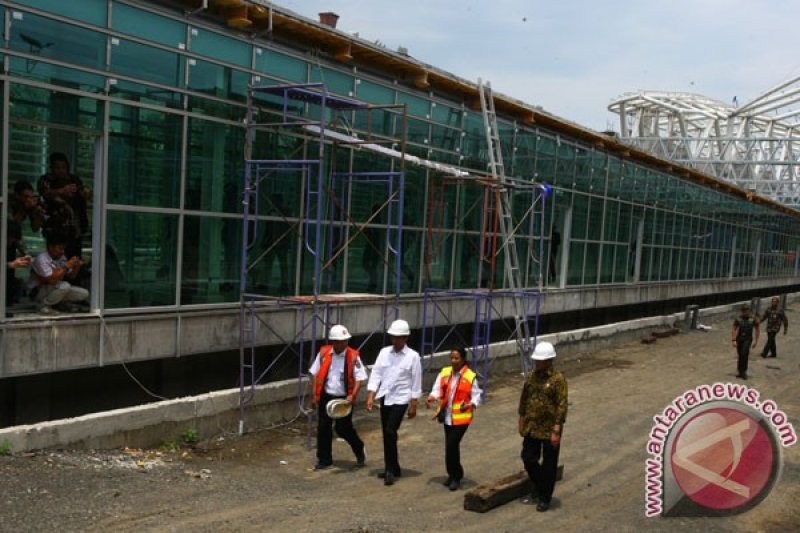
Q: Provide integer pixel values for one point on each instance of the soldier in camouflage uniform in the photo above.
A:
(542, 412)
(775, 317)
(742, 338)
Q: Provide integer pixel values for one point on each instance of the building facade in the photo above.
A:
(148, 98)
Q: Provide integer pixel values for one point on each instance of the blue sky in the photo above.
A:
(574, 56)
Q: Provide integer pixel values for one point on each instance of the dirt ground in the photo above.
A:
(263, 481)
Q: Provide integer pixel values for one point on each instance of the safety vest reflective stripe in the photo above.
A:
(326, 357)
(462, 396)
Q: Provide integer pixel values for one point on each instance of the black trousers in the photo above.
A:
(770, 346)
(344, 428)
(743, 349)
(452, 450)
(391, 418)
(543, 475)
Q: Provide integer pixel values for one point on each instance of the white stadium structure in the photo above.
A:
(755, 145)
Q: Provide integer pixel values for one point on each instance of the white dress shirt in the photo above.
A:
(396, 376)
(334, 382)
(475, 393)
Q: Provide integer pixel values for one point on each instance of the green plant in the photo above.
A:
(5, 447)
(190, 436)
(170, 446)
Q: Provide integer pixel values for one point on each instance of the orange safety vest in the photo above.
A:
(326, 356)
(462, 396)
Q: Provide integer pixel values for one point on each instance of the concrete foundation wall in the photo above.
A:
(53, 345)
(218, 412)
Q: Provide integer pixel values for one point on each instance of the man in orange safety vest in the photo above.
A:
(336, 374)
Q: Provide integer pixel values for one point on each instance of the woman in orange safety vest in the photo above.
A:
(458, 394)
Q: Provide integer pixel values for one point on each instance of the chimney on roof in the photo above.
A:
(328, 18)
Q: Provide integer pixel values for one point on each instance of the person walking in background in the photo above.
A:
(775, 317)
(337, 373)
(742, 339)
(396, 381)
(458, 394)
(542, 413)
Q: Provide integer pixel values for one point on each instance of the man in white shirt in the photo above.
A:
(49, 283)
(396, 381)
(337, 373)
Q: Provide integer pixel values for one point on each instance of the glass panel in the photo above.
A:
(216, 80)
(418, 132)
(595, 218)
(147, 63)
(444, 114)
(146, 94)
(63, 76)
(580, 216)
(211, 259)
(92, 11)
(445, 138)
(590, 266)
(374, 93)
(49, 39)
(42, 105)
(215, 167)
(575, 267)
(211, 44)
(281, 65)
(141, 254)
(335, 81)
(150, 26)
(144, 157)
(474, 142)
(418, 107)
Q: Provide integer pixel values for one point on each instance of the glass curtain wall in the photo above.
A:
(148, 106)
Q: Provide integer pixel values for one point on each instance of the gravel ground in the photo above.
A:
(263, 481)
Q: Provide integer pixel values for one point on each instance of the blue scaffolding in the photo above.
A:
(440, 328)
(324, 229)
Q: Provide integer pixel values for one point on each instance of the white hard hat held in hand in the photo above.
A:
(339, 333)
(543, 352)
(399, 328)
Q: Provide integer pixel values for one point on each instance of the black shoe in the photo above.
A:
(361, 458)
(447, 481)
(543, 506)
(764, 355)
(773, 356)
(382, 474)
(322, 466)
(388, 479)
(454, 484)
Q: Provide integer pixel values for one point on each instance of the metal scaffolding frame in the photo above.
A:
(324, 229)
(500, 227)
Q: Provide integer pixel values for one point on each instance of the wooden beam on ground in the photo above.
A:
(485, 497)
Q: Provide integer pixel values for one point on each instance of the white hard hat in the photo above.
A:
(339, 333)
(543, 352)
(399, 328)
(338, 408)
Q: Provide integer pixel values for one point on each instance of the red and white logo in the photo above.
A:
(723, 458)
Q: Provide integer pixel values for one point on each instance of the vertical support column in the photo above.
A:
(565, 245)
(732, 268)
(637, 261)
(757, 258)
(4, 197)
(796, 259)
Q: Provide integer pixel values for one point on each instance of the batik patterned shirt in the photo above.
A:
(543, 403)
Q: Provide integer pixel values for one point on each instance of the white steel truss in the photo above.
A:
(755, 146)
